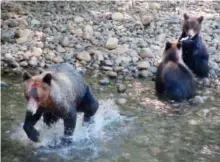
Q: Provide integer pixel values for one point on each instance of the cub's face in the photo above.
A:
(36, 90)
(192, 25)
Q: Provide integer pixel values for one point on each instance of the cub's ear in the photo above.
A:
(186, 17)
(200, 19)
(47, 78)
(179, 45)
(168, 45)
(26, 76)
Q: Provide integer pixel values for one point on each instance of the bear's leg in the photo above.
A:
(69, 126)
(201, 67)
(30, 121)
(50, 118)
(159, 85)
(69, 123)
(89, 105)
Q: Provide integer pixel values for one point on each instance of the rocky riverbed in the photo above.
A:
(121, 40)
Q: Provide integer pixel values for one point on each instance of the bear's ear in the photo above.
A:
(168, 45)
(186, 17)
(47, 78)
(26, 76)
(200, 19)
(178, 45)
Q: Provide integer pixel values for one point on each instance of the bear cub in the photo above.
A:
(174, 80)
(58, 93)
(195, 54)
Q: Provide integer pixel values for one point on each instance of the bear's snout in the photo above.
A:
(33, 93)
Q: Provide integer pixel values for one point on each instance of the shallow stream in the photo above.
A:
(142, 129)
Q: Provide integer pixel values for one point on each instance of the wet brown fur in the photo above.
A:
(45, 99)
(193, 23)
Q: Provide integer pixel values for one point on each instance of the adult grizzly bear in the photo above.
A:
(59, 92)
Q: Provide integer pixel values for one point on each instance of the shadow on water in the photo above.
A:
(142, 129)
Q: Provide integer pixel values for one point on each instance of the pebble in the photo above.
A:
(35, 22)
(33, 61)
(121, 101)
(104, 81)
(117, 16)
(12, 23)
(121, 88)
(112, 74)
(146, 52)
(193, 122)
(98, 55)
(145, 74)
(143, 65)
(217, 58)
(214, 65)
(154, 6)
(24, 63)
(60, 49)
(108, 63)
(27, 55)
(112, 43)
(65, 42)
(11, 60)
(88, 29)
(84, 56)
(153, 69)
(25, 35)
(37, 52)
(78, 19)
(22, 23)
(118, 68)
(146, 19)
(107, 68)
(58, 59)
(8, 56)
(78, 32)
(40, 44)
(198, 100)
(7, 36)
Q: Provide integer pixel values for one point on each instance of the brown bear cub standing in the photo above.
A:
(59, 92)
(195, 54)
(173, 79)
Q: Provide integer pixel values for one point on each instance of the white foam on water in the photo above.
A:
(88, 140)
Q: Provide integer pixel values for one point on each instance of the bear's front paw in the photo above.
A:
(34, 136)
(32, 133)
(185, 38)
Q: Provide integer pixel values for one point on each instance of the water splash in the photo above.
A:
(89, 141)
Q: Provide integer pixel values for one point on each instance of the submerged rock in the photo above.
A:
(198, 100)
(121, 101)
(121, 88)
(104, 81)
(3, 84)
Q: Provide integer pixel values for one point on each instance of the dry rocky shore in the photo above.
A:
(122, 40)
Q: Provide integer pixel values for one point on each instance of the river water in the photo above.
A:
(142, 129)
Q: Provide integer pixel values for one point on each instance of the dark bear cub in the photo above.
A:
(195, 54)
(58, 93)
(173, 79)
